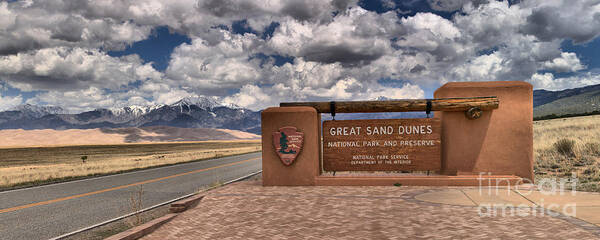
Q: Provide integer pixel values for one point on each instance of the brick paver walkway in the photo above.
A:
(246, 210)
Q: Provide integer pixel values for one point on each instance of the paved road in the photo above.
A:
(49, 211)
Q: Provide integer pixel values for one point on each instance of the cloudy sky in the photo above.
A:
(83, 55)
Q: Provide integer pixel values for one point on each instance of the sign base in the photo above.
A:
(438, 180)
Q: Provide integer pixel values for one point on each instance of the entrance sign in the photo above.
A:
(382, 145)
(482, 127)
(288, 144)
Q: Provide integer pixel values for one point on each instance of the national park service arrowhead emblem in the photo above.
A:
(288, 144)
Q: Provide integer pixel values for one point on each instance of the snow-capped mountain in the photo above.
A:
(189, 112)
(201, 101)
(134, 110)
(130, 110)
(38, 111)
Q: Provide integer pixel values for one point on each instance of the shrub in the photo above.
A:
(590, 171)
(593, 148)
(565, 147)
(588, 187)
(584, 160)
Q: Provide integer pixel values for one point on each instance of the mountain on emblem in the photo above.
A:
(288, 144)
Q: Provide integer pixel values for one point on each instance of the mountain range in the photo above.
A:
(197, 112)
(206, 112)
(576, 101)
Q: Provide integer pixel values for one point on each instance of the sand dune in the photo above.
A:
(50, 137)
(240, 134)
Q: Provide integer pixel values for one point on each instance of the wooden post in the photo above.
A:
(408, 105)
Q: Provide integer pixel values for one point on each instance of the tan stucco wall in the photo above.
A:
(305, 168)
(500, 142)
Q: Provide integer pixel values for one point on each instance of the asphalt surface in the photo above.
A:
(49, 211)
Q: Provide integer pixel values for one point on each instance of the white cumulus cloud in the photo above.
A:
(8, 102)
(72, 68)
(332, 50)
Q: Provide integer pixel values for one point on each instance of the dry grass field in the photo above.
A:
(568, 145)
(34, 165)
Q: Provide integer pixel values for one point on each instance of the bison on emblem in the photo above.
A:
(288, 143)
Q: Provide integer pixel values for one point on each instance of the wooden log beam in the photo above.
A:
(408, 105)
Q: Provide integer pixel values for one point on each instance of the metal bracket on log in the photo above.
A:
(473, 106)
(474, 113)
(332, 109)
(428, 107)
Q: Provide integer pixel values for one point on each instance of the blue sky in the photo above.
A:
(157, 48)
(84, 55)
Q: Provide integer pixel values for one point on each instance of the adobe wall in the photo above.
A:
(305, 168)
(500, 142)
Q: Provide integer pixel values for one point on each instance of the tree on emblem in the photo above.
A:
(283, 141)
